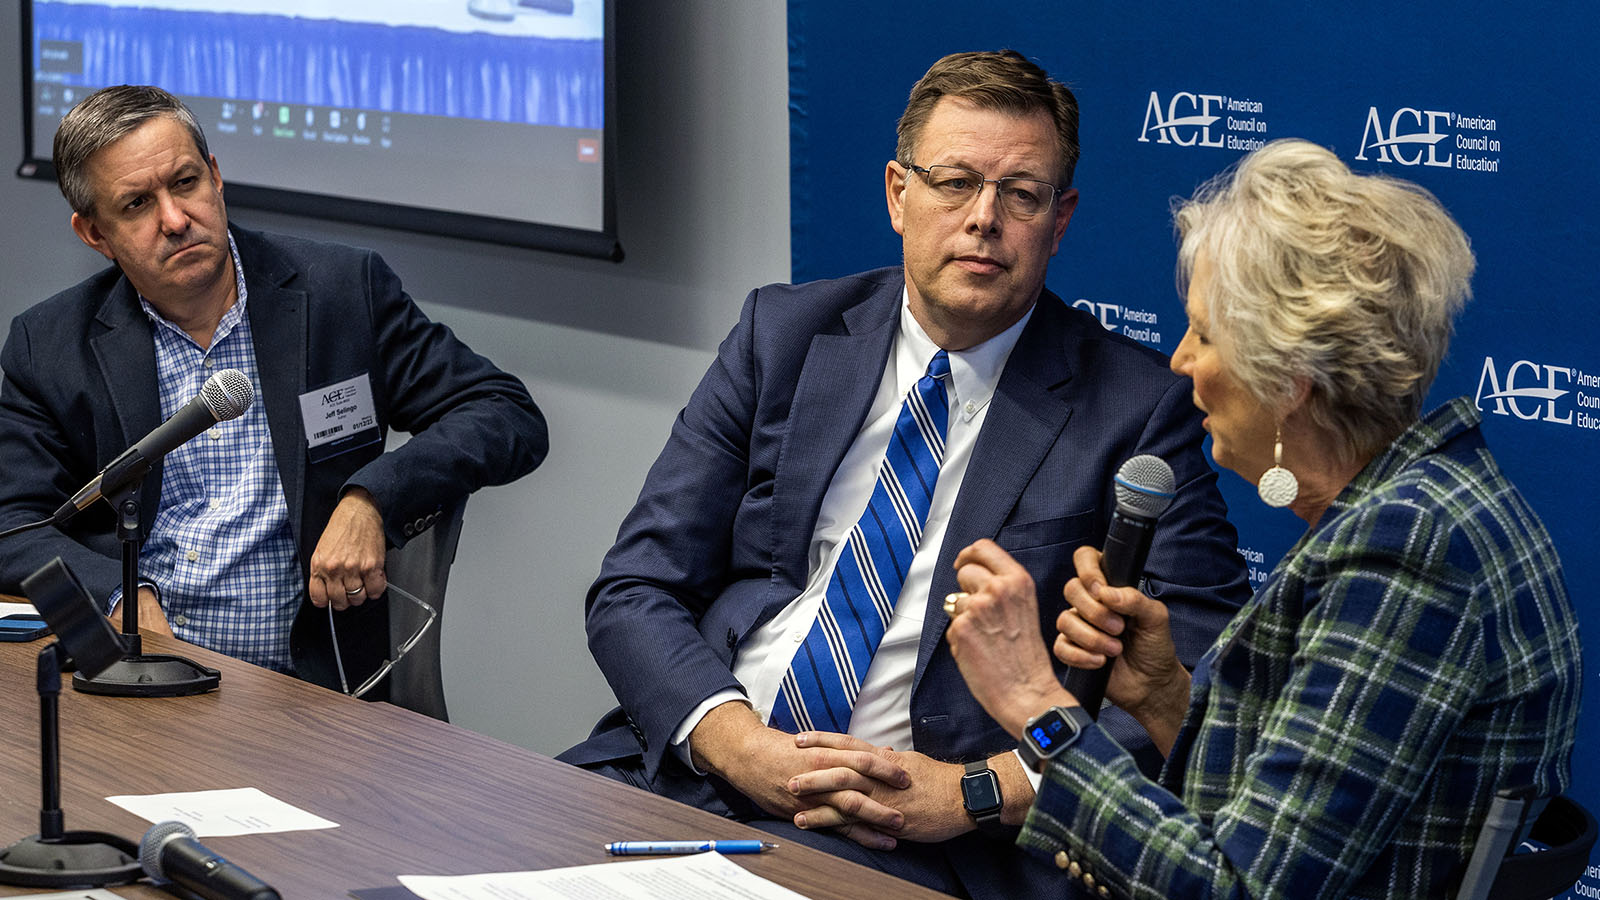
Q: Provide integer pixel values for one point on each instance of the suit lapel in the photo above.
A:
(1025, 419)
(126, 355)
(278, 326)
(840, 376)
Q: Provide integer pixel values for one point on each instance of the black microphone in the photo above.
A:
(225, 395)
(1145, 488)
(169, 852)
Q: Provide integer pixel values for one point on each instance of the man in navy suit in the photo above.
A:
(718, 572)
(255, 528)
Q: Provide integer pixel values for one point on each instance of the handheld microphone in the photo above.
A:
(169, 852)
(1145, 487)
(225, 395)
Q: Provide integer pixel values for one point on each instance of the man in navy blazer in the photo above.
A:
(83, 382)
(691, 619)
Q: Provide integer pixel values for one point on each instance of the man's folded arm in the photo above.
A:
(472, 425)
(674, 557)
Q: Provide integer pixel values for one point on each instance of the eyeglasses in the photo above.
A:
(1021, 198)
(399, 653)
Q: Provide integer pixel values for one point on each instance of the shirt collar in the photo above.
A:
(974, 372)
(1425, 436)
(230, 318)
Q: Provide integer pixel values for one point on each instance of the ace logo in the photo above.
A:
(1186, 120)
(1525, 389)
(1411, 137)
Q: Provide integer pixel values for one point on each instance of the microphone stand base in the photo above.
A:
(150, 676)
(77, 859)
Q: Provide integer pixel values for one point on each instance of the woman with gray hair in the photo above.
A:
(1414, 652)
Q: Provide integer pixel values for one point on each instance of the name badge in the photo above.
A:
(338, 416)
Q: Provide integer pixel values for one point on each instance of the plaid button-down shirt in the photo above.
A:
(1412, 654)
(221, 549)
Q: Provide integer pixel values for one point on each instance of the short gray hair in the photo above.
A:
(103, 118)
(1350, 282)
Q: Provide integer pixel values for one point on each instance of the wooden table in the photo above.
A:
(411, 795)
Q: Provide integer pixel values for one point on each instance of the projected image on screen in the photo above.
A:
(487, 108)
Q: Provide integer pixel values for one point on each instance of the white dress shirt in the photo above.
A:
(882, 713)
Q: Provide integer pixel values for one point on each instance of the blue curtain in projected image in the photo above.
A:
(319, 62)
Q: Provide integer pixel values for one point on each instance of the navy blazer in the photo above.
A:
(717, 542)
(80, 387)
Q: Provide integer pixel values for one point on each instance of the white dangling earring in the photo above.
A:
(1278, 487)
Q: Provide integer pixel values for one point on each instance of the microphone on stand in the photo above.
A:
(1145, 487)
(225, 395)
(169, 852)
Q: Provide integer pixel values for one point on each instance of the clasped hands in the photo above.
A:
(875, 796)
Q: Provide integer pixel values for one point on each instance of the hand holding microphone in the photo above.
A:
(1114, 637)
(1144, 488)
(993, 633)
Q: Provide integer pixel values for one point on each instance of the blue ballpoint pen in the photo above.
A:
(650, 848)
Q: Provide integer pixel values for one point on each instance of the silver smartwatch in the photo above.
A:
(1051, 732)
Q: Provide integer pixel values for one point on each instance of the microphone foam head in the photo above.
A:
(157, 837)
(227, 394)
(1145, 486)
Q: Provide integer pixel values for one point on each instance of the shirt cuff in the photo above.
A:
(680, 735)
(1034, 778)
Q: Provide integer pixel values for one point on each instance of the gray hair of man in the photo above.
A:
(1348, 283)
(103, 118)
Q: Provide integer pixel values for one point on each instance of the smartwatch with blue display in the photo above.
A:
(1051, 732)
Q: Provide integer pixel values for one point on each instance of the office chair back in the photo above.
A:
(422, 567)
(1564, 827)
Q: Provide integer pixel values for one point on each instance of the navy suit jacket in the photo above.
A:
(80, 387)
(717, 543)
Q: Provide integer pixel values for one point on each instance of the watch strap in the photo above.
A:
(988, 820)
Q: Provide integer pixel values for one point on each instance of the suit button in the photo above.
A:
(1103, 891)
(733, 639)
(408, 531)
(1088, 881)
(1062, 860)
(1074, 869)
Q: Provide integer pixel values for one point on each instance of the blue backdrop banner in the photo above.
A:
(1481, 103)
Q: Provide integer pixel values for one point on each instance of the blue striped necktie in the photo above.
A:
(825, 675)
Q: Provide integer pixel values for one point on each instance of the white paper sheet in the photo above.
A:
(702, 876)
(92, 894)
(26, 609)
(223, 813)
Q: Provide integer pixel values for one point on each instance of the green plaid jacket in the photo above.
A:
(1413, 653)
